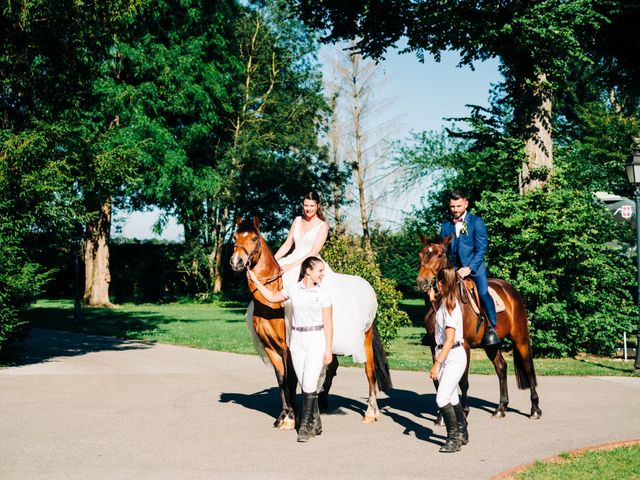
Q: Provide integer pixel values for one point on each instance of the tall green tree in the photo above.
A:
(51, 145)
(537, 44)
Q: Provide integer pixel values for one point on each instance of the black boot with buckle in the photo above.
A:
(461, 421)
(449, 415)
(306, 431)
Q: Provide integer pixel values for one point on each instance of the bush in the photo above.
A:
(397, 255)
(556, 247)
(20, 282)
(345, 255)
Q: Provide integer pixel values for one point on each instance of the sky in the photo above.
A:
(419, 96)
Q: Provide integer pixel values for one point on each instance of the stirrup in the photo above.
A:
(490, 337)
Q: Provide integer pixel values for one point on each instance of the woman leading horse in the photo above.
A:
(511, 323)
(250, 251)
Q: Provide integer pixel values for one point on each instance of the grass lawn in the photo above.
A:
(222, 327)
(619, 463)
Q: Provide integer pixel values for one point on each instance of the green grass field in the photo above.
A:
(619, 463)
(222, 327)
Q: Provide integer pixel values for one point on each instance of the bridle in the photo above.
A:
(247, 264)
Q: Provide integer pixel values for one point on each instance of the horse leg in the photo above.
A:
(464, 383)
(523, 361)
(373, 412)
(323, 395)
(500, 365)
(286, 420)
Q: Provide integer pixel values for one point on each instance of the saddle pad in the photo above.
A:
(497, 301)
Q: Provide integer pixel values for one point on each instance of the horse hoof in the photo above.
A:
(369, 419)
(536, 415)
(498, 414)
(287, 424)
(439, 422)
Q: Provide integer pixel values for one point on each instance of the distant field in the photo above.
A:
(222, 327)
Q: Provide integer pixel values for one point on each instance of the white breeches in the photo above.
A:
(449, 376)
(307, 350)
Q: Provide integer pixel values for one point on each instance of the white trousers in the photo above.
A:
(449, 376)
(307, 350)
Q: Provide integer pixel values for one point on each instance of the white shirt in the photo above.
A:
(307, 303)
(444, 319)
(458, 225)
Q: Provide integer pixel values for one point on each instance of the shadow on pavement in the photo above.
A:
(40, 345)
(266, 401)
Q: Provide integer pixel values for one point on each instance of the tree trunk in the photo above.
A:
(538, 143)
(358, 165)
(96, 259)
(215, 257)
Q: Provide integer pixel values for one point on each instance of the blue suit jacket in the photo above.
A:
(469, 248)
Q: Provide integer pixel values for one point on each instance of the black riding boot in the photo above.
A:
(317, 422)
(490, 337)
(306, 430)
(461, 421)
(449, 415)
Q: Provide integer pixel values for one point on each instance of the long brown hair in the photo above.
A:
(448, 280)
(313, 195)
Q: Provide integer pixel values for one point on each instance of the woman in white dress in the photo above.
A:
(354, 301)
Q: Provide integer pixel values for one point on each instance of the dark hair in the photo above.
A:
(309, 262)
(448, 280)
(313, 195)
(457, 195)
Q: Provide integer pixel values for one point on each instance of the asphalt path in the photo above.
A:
(89, 407)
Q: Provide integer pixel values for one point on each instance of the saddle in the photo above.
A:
(469, 294)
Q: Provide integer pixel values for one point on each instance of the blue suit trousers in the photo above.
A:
(482, 284)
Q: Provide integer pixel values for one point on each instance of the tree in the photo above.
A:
(51, 57)
(357, 138)
(537, 43)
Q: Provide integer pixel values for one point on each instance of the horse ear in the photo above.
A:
(447, 240)
(423, 240)
(256, 222)
(238, 220)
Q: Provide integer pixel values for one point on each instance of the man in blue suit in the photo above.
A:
(466, 251)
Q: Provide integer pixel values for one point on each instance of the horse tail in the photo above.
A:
(525, 371)
(381, 365)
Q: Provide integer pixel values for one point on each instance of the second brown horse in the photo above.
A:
(511, 323)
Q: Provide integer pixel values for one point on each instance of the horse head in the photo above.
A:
(433, 258)
(246, 246)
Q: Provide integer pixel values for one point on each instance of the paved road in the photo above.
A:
(87, 407)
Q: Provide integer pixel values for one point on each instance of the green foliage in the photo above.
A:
(20, 280)
(555, 247)
(593, 148)
(345, 255)
(397, 255)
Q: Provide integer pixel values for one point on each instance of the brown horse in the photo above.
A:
(250, 250)
(511, 323)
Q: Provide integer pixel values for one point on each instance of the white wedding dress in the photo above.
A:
(353, 299)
